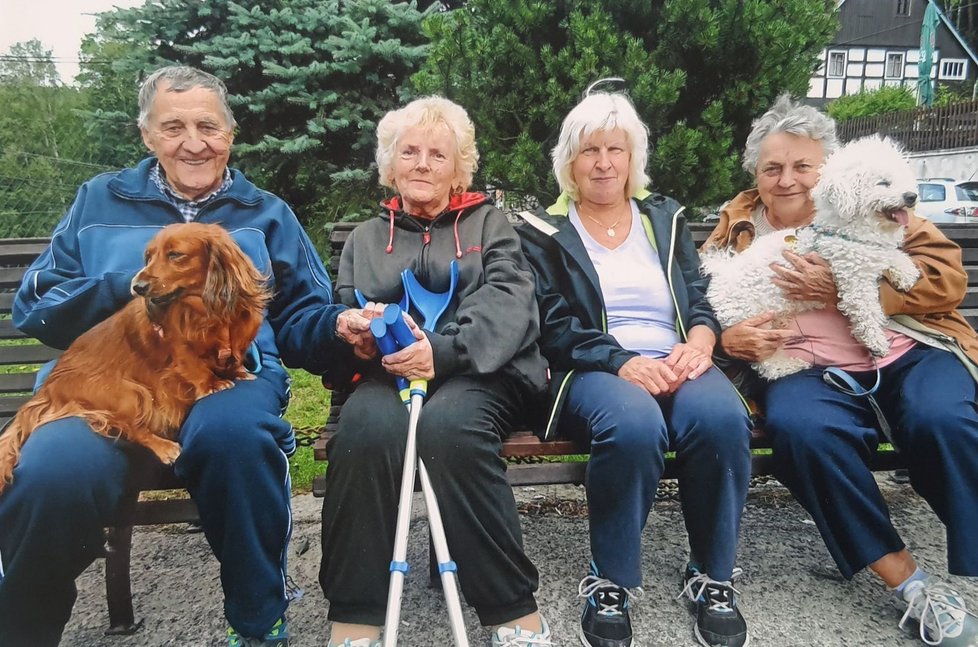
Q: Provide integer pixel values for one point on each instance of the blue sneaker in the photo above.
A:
(277, 636)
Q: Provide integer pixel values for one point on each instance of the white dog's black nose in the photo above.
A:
(909, 198)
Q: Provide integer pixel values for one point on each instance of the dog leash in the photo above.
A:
(842, 381)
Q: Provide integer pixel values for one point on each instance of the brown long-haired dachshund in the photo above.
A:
(198, 306)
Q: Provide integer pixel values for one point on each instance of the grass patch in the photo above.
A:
(307, 412)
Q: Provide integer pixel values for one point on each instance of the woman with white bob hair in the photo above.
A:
(482, 363)
(629, 336)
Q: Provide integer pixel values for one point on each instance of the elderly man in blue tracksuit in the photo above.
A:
(69, 482)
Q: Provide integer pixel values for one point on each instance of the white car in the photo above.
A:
(946, 200)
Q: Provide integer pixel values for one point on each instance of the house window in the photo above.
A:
(837, 64)
(953, 69)
(903, 7)
(894, 65)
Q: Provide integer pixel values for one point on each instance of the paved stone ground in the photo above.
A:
(791, 593)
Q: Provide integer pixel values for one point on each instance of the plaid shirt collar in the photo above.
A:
(188, 208)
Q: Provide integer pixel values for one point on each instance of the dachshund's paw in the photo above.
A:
(222, 385)
(166, 450)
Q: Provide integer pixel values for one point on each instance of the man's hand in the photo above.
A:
(415, 362)
(653, 375)
(754, 339)
(808, 279)
(353, 327)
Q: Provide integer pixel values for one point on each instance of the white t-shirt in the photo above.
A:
(638, 303)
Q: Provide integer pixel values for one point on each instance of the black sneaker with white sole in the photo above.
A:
(719, 622)
(604, 620)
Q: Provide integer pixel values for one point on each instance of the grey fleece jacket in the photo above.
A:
(492, 322)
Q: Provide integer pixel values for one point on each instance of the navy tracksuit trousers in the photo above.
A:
(823, 439)
(630, 431)
(69, 482)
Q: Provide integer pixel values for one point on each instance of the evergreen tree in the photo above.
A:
(307, 80)
(698, 71)
(310, 81)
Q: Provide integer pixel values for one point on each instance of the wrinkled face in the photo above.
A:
(867, 185)
(188, 133)
(787, 169)
(176, 266)
(424, 169)
(601, 167)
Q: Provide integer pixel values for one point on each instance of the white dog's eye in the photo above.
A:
(883, 183)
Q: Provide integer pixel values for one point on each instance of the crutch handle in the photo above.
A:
(387, 345)
(385, 341)
(396, 326)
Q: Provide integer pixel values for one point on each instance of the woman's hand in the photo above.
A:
(689, 361)
(353, 327)
(808, 279)
(754, 339)
(653, 375)
(415, 362)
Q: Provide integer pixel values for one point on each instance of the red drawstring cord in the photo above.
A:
(390, 239)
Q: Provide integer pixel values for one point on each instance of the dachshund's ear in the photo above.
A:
(227, 275)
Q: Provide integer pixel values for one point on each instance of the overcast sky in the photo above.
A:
(60, 25)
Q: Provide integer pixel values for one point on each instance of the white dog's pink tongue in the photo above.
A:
(900, 216)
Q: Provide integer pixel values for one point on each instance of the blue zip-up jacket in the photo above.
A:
(84, 275)
(573, 322)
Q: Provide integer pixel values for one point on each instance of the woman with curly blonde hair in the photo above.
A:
(483, 365)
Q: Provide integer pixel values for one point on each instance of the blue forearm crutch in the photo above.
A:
(392, 333)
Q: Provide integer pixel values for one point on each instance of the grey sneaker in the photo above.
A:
(941, 614)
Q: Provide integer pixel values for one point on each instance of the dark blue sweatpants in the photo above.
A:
(630, 431)
(823, 439)
(69, 482)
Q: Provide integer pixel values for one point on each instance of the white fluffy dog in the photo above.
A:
(861, 203)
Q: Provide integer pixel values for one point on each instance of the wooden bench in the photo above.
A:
(22, 357)
(532, 461)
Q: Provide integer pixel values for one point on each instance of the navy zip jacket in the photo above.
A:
(84, 275)
(573, 323)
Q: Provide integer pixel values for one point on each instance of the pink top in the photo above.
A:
(826, 340)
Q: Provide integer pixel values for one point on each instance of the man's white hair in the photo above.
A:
(180, 78)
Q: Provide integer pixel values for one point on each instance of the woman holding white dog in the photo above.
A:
(629, 336)
(823, 433)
